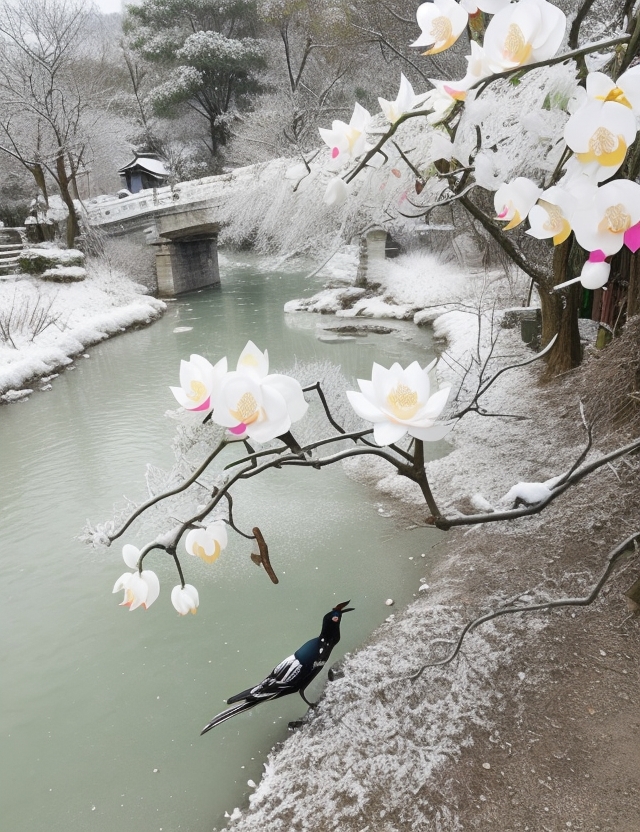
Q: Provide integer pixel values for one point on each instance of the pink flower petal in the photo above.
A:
(632, 237)
(598, 256)
(335, 152)
(238, 429)
(206, 405)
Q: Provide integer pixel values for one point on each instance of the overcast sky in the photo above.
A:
(108, 6)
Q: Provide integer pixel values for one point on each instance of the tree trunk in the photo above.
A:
(73, 227)
(632, 264)
(560, 315)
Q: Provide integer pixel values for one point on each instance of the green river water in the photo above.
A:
(101, 709)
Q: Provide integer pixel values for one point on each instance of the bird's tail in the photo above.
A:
(228, 714)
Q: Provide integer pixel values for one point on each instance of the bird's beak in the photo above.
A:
(343, 607)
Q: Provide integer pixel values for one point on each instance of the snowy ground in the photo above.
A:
(511, 736)
(46, 324)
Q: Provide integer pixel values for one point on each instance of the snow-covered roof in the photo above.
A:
(153, 166)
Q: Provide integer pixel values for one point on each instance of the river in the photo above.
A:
(101, 708)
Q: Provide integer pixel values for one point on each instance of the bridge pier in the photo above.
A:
(184, 264)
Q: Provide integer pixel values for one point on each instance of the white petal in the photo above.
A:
(291, 392)
(364, 408)
(385, 433)
(629, 82)
(184, 599)
(130, 555)
(594, 275)
(432, 434)
(337, 192)
(153, 586)
(435, 405)
(275, 418)
(253, 361)
(181, 397)
(360, 118)
(122, 582)
(218, 531)
(139, 589)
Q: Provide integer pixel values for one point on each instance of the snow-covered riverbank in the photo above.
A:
(505, 737)
(67, 318)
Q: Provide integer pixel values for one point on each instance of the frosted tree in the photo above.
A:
(51, 89)
(584, 202)
(208, 53)
(555, 143)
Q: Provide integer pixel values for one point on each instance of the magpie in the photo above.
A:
(293, 674)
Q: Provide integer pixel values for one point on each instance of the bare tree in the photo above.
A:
(49, 93)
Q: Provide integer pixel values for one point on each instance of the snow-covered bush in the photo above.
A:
(38, 260)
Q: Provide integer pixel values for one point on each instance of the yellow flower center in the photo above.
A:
(352, 137)
(403, 401)
(618, 96)
(441, 29)
(516, 48)
(199, 391)
(602, 141)
(246, 409)
(555, 223)
(615, 220)
(201, 552)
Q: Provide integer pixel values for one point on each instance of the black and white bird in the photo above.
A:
(293, 674)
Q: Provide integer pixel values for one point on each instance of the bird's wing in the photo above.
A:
(281, 679)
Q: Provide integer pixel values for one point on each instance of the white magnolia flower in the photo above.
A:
(440, 101)
(625, 91)
(185, 599)
(523, 33)
(477, 68)
(398, 401)
(198, 382)
(251, 401)
(347, 141)
(140, 588)
(611, 219)
(337, 192)
(513, 200)
(441, 23)
(594, 274)
(405, 101)
(601, 132)
(207, 543)
(550, 217)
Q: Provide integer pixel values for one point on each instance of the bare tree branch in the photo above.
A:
(584, 601)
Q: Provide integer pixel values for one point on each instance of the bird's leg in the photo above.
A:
(310, 704)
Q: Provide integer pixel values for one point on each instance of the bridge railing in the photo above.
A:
(101, 211)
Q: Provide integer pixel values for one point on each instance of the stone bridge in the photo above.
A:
(182, 223)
